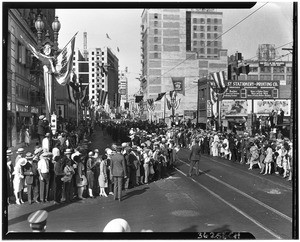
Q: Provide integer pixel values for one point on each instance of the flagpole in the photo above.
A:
(165, 109)
(219, 111)
(77, 120)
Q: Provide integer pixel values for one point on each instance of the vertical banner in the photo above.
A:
(179, 84)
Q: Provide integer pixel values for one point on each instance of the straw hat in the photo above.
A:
(68, 151)
(20, 151)
(9, 152)
(29, 156)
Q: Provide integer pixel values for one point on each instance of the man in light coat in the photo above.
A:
(195, 158)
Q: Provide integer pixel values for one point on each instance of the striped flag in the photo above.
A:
(177, 103)
(102, 97)
(219, 79)
(151, 106)
(213, 95)
(172, 94)
(64, 63)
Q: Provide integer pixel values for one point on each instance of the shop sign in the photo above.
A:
(259, 93)
(34, 110)
(21, 108)
(189, 114)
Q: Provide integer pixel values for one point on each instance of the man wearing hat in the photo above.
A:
(43, 169)
(41, 128)
(118, 171)
(195, 158)
(9, 176)
(30, 171)
(38, 221)
(46, 143)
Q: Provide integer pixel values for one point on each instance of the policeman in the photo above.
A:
(38, 221)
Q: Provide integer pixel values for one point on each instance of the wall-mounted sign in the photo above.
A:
(235, 107)
(252, 89)
(266, 106)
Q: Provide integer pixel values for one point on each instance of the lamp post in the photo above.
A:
(50, 49)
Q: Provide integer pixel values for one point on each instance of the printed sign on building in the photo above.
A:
(267, 106)
(235, 108)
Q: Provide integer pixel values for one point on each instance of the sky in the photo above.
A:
(271, 24)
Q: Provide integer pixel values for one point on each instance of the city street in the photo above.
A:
(225, 197)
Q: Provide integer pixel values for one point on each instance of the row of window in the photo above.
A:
(268, 69)
(208, 35)
(208, 28)
(22, 91)
(207, 43)
(208, 21)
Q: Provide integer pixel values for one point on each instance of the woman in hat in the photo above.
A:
(18, 181)
(67, 179)
(27, 137)
(90, 167)
(21, 154)
(9, 177)
(103, 183)
(254, 155)
(268, 159)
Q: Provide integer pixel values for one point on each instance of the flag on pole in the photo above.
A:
(179, 84)
(213, 95)
(219, 79)
(118, 49)
(84, 95)
(107, 36)
(71, 93)
(160, 96)
(172, 94)
(102, 97)
(64, 63)
(151, 106)
(177, 103)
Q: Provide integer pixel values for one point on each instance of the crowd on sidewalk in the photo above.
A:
(63, 167)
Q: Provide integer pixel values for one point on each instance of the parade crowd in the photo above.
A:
(63, 168)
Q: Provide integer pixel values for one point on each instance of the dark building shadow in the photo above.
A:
(135, 193)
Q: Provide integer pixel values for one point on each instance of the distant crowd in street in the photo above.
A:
(64, 168)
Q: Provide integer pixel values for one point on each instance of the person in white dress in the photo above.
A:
(18, 182)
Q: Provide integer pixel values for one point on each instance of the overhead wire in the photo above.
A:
(192, 55)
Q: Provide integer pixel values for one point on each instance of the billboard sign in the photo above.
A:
(266, 106)
(235, 108)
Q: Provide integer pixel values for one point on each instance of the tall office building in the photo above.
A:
(179, 46)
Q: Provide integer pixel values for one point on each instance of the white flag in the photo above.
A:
(64, 63)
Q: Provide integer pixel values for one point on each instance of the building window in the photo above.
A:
(278, 77)
(155, 47)
(93, 58)
(289, 69)
(275, 93)
(215, 28)
(195, 49)
(155, 55)
(202, 50)
(288, 78)
(265, 77)
(278, 69)
(216, 36)
(194, 20)
(202, 21)
(93, 64)
(208, 36)
(215, 43)
(265, 69)
(208, 21)
(216, 51)
(93, 75)
(102, 86)
(195, 35)
(195, 27)
(155, 39)
(195, 43)
(208, 51)
(215, 21)
(243, 93)
(252, 77)
(202, 35)
(93, 69)
(156, 15)
(253, 69)
(155, 23)
(202, 43)
(202, 28)
(155, 31)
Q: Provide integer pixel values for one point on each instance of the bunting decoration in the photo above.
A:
(71, 93)
(169, 104)
(213, 95)
(219, 80)
(84, 97)
(160, 96)
(172, 94)
(102, 97)
(151, 106)
(179, 84)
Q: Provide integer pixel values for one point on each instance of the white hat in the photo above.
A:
(117, 225)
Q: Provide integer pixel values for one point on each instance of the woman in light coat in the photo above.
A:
(18, 182)
(103, 182)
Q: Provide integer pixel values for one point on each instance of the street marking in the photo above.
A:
(278, 184)
(248, 196)
(235, 208)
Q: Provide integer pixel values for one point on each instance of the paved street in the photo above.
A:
(225, 196)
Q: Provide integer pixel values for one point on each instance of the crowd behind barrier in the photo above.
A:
(63, 168)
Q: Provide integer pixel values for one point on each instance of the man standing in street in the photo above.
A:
(195, 158)
(30, 171)
(118, 170)
(43, 169)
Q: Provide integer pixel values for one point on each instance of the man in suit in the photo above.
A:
(30, 172)
(118, 171)
(195, 158)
